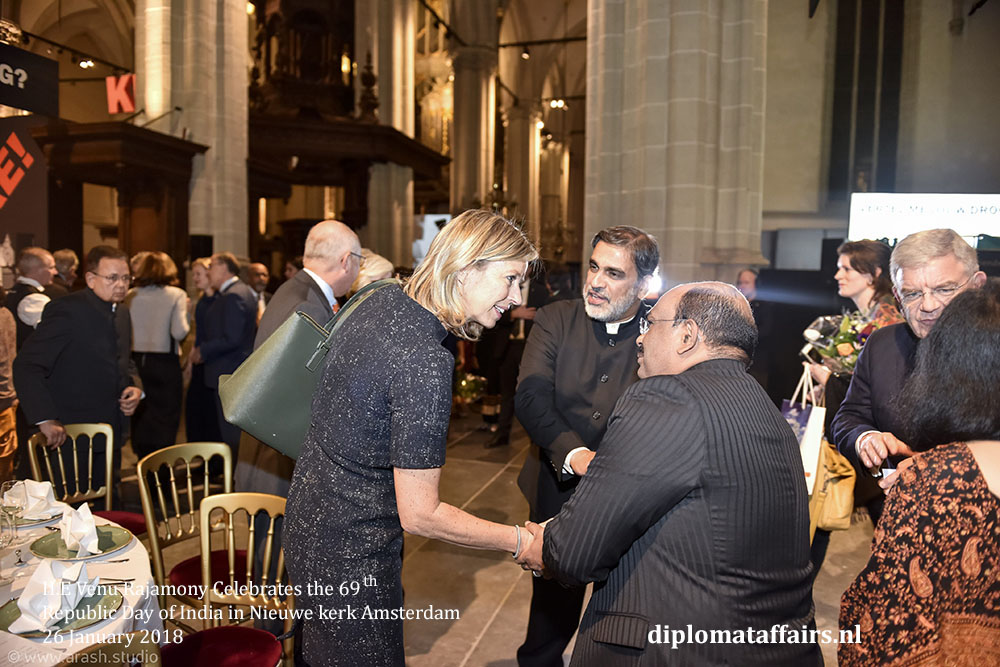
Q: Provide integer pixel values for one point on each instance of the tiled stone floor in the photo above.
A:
(489, 591)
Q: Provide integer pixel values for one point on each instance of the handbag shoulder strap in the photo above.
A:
(341, 316)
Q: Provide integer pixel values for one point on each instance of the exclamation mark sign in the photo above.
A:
(16, 146)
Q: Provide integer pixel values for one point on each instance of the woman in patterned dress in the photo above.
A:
(930, 593)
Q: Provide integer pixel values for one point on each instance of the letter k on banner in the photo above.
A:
(121, 93)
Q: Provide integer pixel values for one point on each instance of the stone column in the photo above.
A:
(193, 54)
(523, 147)
(474, 126)
(553, 187)
(675, 103)
(387, 29)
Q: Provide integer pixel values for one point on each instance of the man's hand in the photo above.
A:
(873, 448)
(523, 313)
(129, 400)
(889, 480)
(531, 554)
(54, 433)
(581, 461)
(195, 357)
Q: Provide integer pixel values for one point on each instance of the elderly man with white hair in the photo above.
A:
(928, 269)
(330, 265)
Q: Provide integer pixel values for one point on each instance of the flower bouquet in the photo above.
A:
(838, 339)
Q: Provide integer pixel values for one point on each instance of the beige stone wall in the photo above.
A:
(799, 93)
(949, 134)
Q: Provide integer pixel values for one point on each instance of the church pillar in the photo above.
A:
(522, 163)
(675, 103)
(387, 29)
(192, 54)
(474, 126)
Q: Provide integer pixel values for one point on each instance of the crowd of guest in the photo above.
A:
(660, 469)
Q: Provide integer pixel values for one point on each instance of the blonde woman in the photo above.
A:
(373, 267)
(371, 462)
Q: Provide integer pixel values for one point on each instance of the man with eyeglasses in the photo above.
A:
(693, 515)
(928, 269)
(578, 360)
(77, 365)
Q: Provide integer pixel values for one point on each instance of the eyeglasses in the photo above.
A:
(646, 322)
(361, 258)
(940, 294)
(125, 279)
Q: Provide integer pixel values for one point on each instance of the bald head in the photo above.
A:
(37, 264)
(333, 252)
(693, 323)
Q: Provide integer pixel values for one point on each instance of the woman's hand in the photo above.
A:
(820, 373)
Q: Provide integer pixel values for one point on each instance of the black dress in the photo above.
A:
(383, 402)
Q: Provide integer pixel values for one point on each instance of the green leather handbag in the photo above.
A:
(270, 395)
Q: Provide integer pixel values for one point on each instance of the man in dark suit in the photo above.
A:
(693, 516)
(577, 362)
(928, 269)
(229, 328)
(33, 290)
(330, 265)
(257, 277)
(66, 265)
(77, 366)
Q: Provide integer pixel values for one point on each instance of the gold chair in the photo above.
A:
(239, 587)
(39, 453)
(187, 479)
(133, 648)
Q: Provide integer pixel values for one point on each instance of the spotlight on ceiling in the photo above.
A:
(251, 9)
(87, 63)
(526, 54)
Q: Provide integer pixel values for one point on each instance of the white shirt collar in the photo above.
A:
(614, 326)
(323, 285)
(30, 281)
(229, 283)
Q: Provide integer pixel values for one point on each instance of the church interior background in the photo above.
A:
(735, 131)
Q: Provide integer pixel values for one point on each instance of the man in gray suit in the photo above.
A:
(692, 520)
(330, 265)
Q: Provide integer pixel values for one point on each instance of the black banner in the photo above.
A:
(28, 81)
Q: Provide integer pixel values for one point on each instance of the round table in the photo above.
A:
(140, 609)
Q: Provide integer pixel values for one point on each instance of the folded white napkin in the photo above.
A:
(79, 531)
(53, 591)
(41, 504)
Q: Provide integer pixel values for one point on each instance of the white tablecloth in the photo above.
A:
(140, 608)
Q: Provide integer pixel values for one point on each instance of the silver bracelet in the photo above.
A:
(517, 551)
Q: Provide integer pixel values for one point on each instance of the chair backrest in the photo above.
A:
(186, 476)
(82, 477)
(268, 588)
(133, 648)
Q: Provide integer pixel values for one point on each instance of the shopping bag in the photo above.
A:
(270, 395)
(806, 421)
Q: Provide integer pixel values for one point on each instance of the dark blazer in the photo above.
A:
(77, 363)
(694, 513)
(885, 362)
(261, 468)
(14, 296)
(228, 331)
(572, 373)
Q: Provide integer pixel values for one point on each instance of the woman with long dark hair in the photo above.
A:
(930, 593)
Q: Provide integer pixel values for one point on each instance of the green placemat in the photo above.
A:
(109, 538)
(90, 611)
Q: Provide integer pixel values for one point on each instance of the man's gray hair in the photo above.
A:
(921, 247)
(724, 317)
(328, 241)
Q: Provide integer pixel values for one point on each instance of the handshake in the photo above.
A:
(529, 557)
